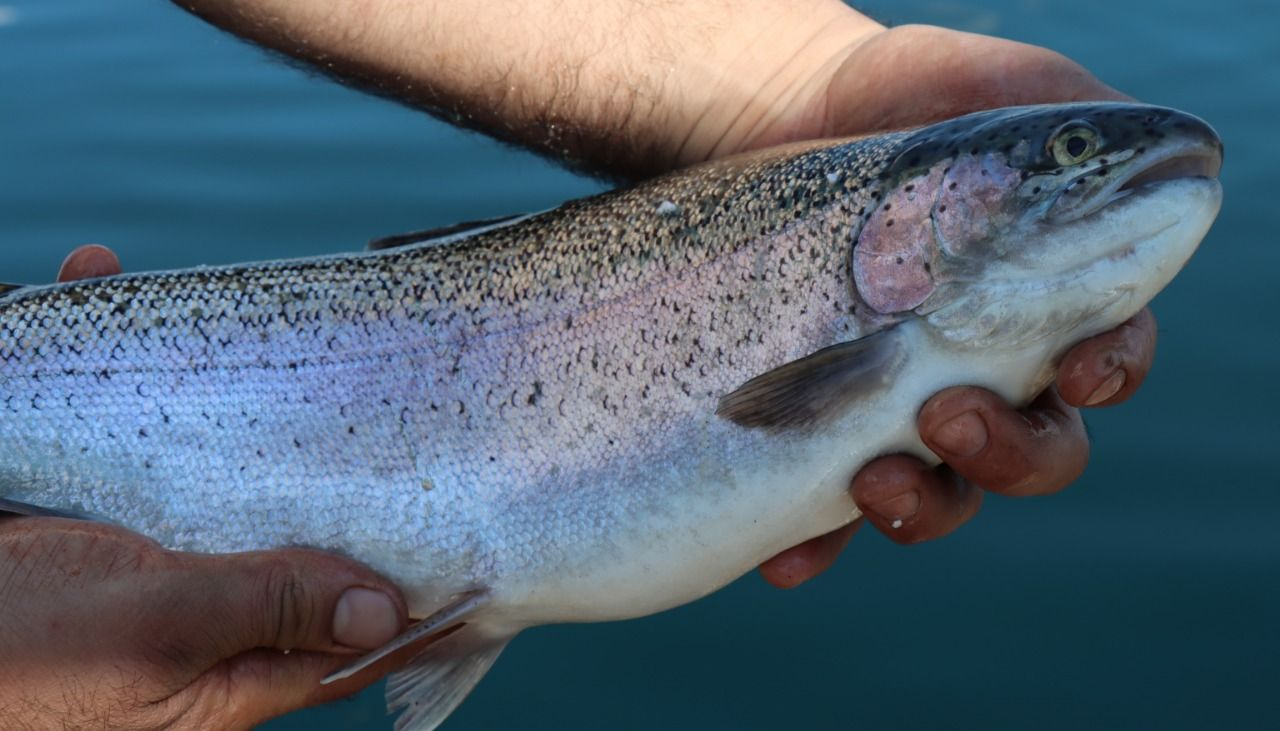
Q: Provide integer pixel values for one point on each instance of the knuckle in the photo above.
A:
(1052, 468)
(286, 604)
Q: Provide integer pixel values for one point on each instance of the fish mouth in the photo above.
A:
(1159, 167)
(1191, 164)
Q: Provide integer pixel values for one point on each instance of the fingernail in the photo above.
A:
(1109, 388)
(88, 261)
(899, 509)
(963, 436)
(365, 619)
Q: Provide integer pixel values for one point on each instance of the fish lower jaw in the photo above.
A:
(1132, 275)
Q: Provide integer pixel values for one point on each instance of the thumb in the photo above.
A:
(87, 262)
(940, 73)
(322, 609)
(298, 600)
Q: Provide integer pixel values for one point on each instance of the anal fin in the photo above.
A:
(441, 677)
(450, 615)
(444, 672)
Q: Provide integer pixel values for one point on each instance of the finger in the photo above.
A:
(87, 262)
(798, 564)
(244, 691)
(909, 502)
(267, 683)
(938, 73)
(1039, 450)
(296, 600)
(1108, 369)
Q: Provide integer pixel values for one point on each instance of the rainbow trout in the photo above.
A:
(610, 408)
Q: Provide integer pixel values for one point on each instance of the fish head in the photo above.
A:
(1016, 225)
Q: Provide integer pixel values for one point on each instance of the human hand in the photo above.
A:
(906, 77)
(104, 628)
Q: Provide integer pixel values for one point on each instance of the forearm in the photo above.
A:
(621, 87)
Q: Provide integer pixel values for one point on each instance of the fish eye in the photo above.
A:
(1073, 143)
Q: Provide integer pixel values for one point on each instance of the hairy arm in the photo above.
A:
(625, 88)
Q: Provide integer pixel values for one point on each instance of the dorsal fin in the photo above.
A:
(446, 234)
(7, 288)
(36, 511)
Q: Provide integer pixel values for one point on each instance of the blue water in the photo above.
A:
(1147, 596)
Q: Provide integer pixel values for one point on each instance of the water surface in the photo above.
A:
(1146, 596)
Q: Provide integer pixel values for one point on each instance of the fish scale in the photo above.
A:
(593, 413)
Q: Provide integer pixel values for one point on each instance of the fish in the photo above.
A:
(610, 408)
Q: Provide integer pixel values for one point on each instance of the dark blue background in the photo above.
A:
(1145, 596)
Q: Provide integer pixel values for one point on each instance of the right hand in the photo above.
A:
(906, 77)
(104, 628)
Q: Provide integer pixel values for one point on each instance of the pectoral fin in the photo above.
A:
(817, 388)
